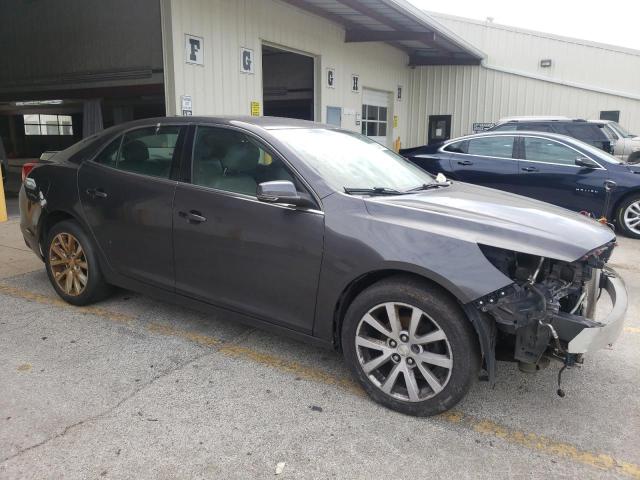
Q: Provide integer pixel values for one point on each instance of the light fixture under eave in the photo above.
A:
(35, 103)
(545, 63)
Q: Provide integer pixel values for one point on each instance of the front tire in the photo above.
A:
(72, 265)
(628, 216)
(410, 346)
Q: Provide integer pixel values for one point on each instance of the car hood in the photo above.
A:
(492, 217)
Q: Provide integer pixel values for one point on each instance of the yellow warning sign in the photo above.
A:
(255, 109)
(395, 121)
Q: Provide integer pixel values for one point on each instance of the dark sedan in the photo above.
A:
(325, 235)
(545, 166)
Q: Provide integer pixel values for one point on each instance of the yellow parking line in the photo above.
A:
(3, 203)
(56, 302)
(531, 441)
(632, 329)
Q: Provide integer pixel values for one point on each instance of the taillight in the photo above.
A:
(26, 169)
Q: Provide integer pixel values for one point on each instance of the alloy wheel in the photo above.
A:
(632, 217)
(404, 352)
(68, 264)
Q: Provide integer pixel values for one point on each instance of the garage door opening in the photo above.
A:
(288, 84)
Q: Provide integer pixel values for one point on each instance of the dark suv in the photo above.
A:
(576, 128)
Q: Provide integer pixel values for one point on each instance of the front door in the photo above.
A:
(236, 252)
(375, 115)
(127, 196)
(548, 172)
(486, 161)
(439, 128)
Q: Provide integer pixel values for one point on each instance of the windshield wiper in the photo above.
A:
(373, 191)
(429, 186)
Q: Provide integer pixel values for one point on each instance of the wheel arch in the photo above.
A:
(364, 281)
(621, 200)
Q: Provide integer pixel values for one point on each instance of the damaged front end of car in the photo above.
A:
(549, 311)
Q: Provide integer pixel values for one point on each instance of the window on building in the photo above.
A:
(40, 124)
(548, 151)
(374, 121)
(501, 146)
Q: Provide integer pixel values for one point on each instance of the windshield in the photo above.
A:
(350, 160)
(621, 130)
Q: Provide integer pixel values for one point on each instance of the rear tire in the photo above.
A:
(72, 265)
(425, 363)
(628, 216)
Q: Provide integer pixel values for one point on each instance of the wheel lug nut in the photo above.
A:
(395, 357)
(410, 361)
(404, 338)
(392, 343)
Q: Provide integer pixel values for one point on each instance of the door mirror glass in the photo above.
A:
(283, 191)
(586, 162)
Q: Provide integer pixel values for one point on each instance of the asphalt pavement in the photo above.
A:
(136, 388)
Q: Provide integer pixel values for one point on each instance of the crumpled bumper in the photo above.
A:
(597, 337)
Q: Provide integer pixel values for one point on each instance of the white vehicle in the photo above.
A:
(626, 146)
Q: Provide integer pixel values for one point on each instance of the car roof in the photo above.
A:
(534, 133)
(536, 118)
(267, 123)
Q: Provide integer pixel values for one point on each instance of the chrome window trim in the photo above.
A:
(246, 197)
(441, 150)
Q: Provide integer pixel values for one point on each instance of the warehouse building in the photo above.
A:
(380, 67)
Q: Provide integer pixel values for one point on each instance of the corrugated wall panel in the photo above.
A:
(475, 94)
(218, 87)
(577, 61)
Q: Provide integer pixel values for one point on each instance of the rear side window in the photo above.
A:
(457, 147)
(109, 156)
(501, 146)
(507, 127)
(147, 151)
(548, 151)
(535, 127)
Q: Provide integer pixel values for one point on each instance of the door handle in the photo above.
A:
(96, 193)
(465, 162)
(530, 169)
(193, 217)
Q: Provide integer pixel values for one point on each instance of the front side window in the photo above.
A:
(232, 161)
(548, 151)
(501, 147)
(349, 160)
(147, 151)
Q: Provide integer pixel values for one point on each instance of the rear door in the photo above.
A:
(127, 194)
(486, 160)
(236, 252)
(548, 172)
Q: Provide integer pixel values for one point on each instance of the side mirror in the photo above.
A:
(586, 162)
(283, 191)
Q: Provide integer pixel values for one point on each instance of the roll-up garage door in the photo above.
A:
(375, 115)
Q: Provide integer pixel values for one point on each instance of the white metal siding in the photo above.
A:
(575, 61)
(218, 87)
(477, 94)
